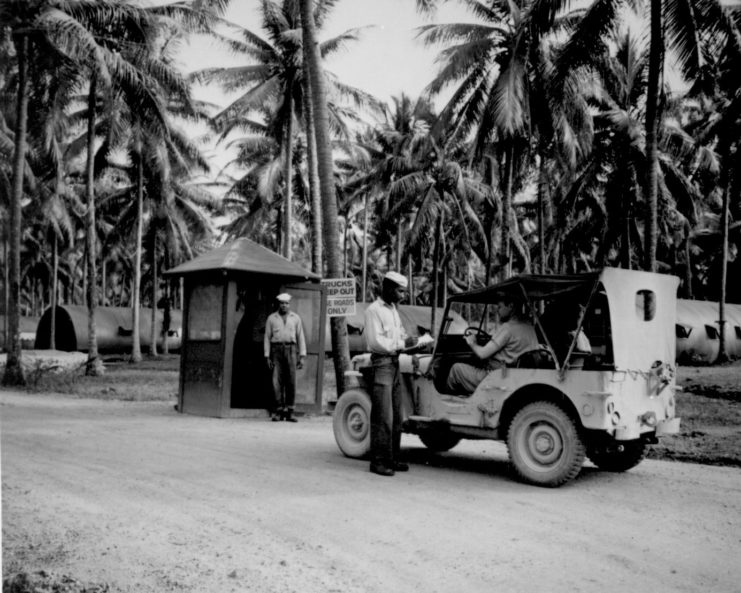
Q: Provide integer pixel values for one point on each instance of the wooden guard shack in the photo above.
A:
(229, 293)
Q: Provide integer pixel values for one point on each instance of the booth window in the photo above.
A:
(682, 331)
(712, 332)
(204, 313)
(646, 304)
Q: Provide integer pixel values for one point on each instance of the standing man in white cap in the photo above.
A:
(285, 351)
(386, 337)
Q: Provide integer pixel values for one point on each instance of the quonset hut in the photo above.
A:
(229, 293)
(698, 331)
(113, 329)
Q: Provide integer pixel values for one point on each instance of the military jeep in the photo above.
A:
(558, 403)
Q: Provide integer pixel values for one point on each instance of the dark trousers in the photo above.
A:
(284, 375)
(386, 410)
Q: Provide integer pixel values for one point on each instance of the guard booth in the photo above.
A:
(228, 294)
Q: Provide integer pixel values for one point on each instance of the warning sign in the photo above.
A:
(340, 296)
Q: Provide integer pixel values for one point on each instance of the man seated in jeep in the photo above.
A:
(514, 336)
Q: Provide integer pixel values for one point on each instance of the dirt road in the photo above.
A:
(144, 499)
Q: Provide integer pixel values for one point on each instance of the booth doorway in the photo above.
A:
(251, 384)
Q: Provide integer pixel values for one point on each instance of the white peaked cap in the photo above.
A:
(283, 297)
(397, 278)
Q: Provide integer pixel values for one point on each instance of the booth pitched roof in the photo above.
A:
(243, 255)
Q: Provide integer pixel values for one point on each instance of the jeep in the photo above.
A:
(556, 404)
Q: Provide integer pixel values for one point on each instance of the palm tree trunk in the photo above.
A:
(625, 243)
(155, 282)
(94, 366)
(542, 189)
(344, 250)
(6, 277)
(655, 69)
(688, 293)
(506, 211)
(317, 257)
(435, 273)
(166, 311)
(84, 274)
(288, 178)
(340, 346)
(490, 261)
(722, 354)
(365, 248)
(136, 349)
(13, 367)
(54, 280)
(103, 302)
(410, 279)
(399, 245)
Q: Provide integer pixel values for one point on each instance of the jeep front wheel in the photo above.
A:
(618, 457)
(351, 423)
(544, 445)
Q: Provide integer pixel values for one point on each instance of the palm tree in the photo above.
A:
(65, 30)
(318, 97)
(135, 72)
(721, 130)
(683, 29)
(276, 86)
(446, 203)
(389, 152)
(501, 98)
(13, 369)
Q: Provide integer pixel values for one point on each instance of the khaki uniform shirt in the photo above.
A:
(284, 329)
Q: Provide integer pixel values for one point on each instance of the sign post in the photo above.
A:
(340, 296)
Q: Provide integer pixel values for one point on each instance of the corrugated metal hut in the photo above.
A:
(113, 329)
(698, 331)
(229, 293)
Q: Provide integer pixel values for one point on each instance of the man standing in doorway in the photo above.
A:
(285, 351)
(386, 338)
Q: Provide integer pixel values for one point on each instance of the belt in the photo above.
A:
(378, 356)
(282, 343)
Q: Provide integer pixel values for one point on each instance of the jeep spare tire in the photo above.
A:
(351, 423)
(544, 445)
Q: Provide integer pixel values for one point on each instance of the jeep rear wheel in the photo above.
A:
(618, 457)
(544, 445)
(351, 423)
(438, 440)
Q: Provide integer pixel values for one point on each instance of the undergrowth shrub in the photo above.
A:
(51, 376)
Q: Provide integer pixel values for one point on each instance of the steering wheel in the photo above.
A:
(482, 337)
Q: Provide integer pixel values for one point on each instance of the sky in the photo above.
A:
(386, 60)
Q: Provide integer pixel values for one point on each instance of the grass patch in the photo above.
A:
(46, 376)
(155, 378)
